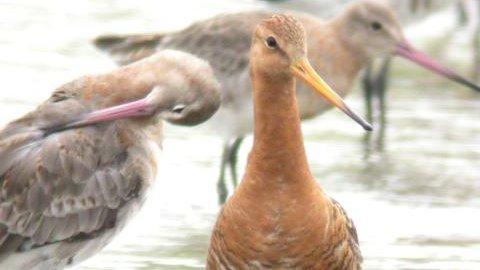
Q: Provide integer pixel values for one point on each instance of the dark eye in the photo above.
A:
(376, 26)
(271, 42)
(178, 108)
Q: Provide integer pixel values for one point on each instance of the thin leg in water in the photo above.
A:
(233, 159)
(229, 159)
(476, 42)
(375, 85)
(367, 91)
(221, 184)
(462, 17)
(381, 85)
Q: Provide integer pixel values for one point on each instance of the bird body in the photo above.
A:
(71, 176)
(278, 217)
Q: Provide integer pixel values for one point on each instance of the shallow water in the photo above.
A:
(416, 205)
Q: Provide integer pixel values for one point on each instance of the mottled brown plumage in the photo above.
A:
(71, 176)
(279, 218)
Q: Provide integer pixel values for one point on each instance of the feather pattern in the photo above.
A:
(58, 187)
(67, 188)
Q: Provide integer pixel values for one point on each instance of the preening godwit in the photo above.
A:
(71, 176)
(279, 218)
(339, 49)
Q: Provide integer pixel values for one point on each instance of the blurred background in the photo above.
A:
(416, 203)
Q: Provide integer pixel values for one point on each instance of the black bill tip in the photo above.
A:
(362, 122)
(466, 82)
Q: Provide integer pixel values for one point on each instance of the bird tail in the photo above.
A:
(126, 49)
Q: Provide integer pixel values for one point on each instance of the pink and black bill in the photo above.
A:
(407, 51)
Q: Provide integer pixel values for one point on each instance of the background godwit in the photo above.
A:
(364, 31)
(375, 78)
(71, 178)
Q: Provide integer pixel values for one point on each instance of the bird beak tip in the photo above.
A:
(368, 127)
(405, 50)
(305, 72)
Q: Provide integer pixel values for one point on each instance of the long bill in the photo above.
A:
(137, 108)
(407, 51)
(305, 72)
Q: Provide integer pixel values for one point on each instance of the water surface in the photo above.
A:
(416, 205)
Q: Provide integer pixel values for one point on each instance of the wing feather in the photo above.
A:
(126, 49)
(220, 40)
(68, 183)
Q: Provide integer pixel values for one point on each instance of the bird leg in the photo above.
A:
(229, 159)
(221, 184)
(381, 85)
(233, 159)
(462, 16)
(374, 85)
(476, 42)
(368, 90)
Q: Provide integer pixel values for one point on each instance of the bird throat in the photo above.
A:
(278, 151)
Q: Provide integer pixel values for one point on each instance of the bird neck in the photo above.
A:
(278, 152)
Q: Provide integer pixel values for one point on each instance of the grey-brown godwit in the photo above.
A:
(74, 170)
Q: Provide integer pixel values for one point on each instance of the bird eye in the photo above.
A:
(271, 42)
(178, 108)
(376, 26)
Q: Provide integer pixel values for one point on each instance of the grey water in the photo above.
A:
(416, 205)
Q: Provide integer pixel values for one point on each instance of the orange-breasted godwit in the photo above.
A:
(74, 170)
(279, 218)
